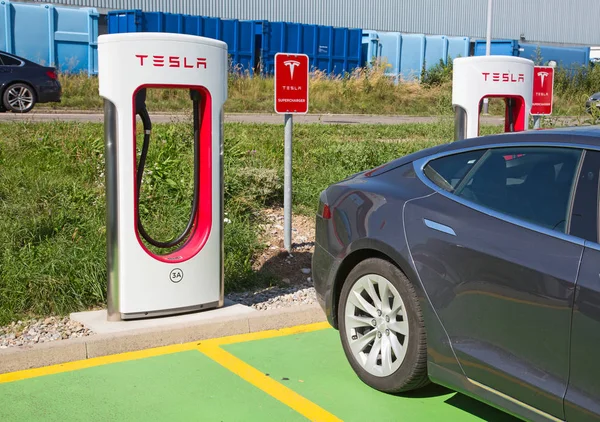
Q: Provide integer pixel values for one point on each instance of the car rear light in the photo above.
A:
(51, 74)
(326, 212)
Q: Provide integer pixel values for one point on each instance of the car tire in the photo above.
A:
(385, 342)
(19, 98)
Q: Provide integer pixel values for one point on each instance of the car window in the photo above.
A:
(9, 61)
(584, 218)
(447, 172)
(531, 183)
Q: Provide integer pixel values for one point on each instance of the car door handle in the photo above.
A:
(439, 227)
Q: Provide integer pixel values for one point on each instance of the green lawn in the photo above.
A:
(52, 204)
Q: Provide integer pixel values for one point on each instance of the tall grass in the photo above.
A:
(52, 203)
(364, 91)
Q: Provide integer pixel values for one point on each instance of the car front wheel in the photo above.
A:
(382, 329)
(19, 98)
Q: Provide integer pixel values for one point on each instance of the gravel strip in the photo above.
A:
(276, 297)
(34, 331)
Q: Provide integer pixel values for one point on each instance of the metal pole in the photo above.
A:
(112, 211)
(537, 122)
(287, 192)
(488, 45)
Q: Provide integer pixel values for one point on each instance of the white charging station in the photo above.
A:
(142, 283)
(480, 77)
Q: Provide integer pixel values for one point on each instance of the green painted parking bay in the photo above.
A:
(183, 386)
(285, 375)
(314, 365)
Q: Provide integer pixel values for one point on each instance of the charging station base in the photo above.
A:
(97, 320)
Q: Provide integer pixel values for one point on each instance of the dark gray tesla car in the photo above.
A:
(474, 265)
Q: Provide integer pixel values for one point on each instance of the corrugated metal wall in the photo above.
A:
(549, 21)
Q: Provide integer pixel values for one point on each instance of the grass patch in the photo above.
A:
(364, 91)
(52, 204)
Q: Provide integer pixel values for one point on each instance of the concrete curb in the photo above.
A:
(63, 351)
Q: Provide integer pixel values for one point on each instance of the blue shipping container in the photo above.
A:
(403, 54)
(497, 48)
(242, 43)
(62, 37)
(329, 49)
(565, 57)
(254, 43)
(408, 54)
(458, 47)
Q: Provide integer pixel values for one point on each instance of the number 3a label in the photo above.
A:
(176, 275)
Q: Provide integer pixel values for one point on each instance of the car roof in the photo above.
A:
(575, 135)
(586, 136)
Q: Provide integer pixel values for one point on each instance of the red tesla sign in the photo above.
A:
(291, 83)
(543, 90)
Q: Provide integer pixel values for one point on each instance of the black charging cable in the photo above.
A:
(147, 125)
(510, 102)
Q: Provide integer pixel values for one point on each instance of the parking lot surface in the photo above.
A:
(293, 374)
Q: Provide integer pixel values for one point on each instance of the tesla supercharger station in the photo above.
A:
(189, 276)
(477, 78)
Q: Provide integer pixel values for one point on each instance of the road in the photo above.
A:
(44, 116)
(95, 117)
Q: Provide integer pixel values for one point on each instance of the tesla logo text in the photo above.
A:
(543, 75)
(291, 64)
(172, 61)
(503, 77)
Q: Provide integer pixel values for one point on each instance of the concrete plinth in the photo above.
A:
(98, 323)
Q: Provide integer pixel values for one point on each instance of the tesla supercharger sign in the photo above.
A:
(543, 87)
(291, 97)
(291, 83)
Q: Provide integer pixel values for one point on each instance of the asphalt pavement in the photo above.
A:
(45, 116)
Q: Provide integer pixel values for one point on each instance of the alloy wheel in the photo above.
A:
(376, 325)
(19, 98)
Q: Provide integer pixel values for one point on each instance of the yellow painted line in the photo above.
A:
(212, 349)
(156, 351)
(273, 388)
(89, 363)
(261, 335)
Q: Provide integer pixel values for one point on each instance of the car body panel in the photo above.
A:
(338, 240)
(506, 305)
(582, 401)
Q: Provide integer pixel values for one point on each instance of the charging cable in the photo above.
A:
(147, 125)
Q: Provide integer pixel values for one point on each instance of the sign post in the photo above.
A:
(291, 97)
(543, 91)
